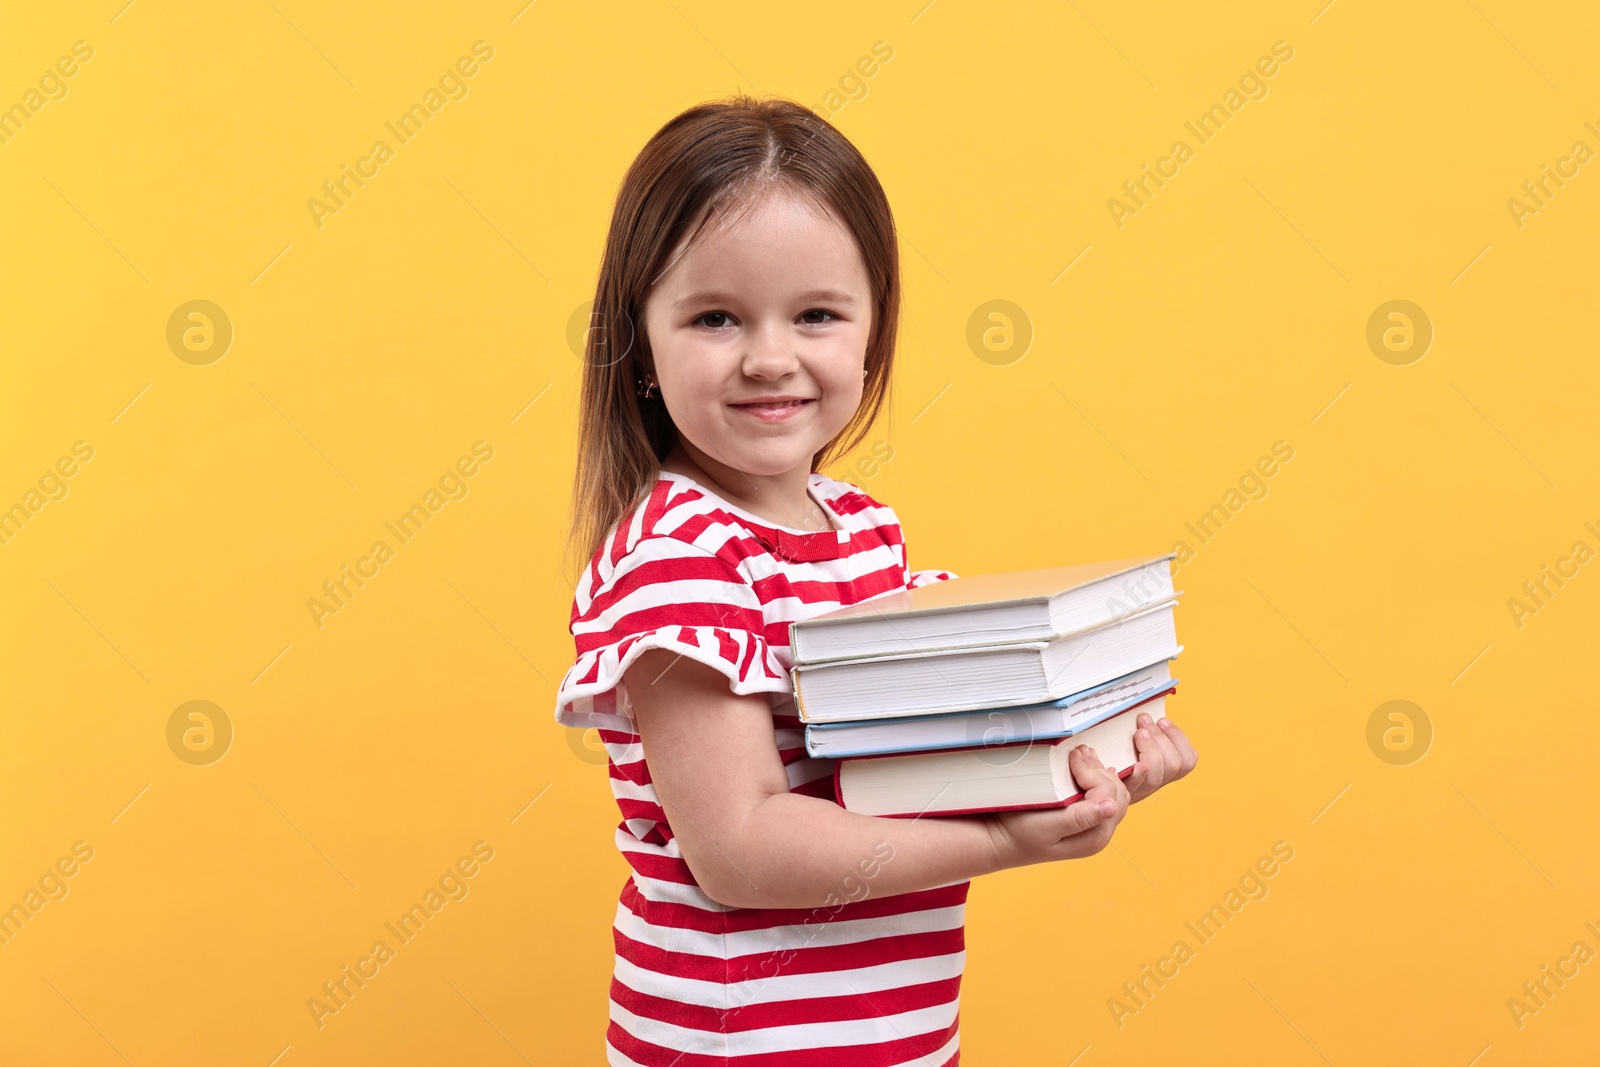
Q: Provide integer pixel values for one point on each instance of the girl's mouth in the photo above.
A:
(776, 410)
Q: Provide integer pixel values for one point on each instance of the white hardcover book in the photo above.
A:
(990, 676)
(986, 609)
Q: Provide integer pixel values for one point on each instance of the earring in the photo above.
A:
(645, 387)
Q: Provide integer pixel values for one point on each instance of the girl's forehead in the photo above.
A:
(776, 224)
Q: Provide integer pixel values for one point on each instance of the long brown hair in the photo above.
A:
(706, 157)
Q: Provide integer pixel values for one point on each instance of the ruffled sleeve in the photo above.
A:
(919, 579)
(662, 592)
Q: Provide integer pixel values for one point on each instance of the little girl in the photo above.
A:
(744, 331)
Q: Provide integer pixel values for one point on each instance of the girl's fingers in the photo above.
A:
(1093, 817)
(1086, 814)
(1143, 741)
(1157, 760)
(1092, 776)
(1087, 770)
(1138, 778)
(1187, 757)
(1171, 759)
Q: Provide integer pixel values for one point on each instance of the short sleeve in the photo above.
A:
(919, 579)
(667, 593)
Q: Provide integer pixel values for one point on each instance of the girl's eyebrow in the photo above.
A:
(833, 296)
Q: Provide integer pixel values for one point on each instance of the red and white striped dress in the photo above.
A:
(866, 981)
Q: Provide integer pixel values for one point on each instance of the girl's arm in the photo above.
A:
(751, 843)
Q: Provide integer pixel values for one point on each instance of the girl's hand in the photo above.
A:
(1080, 829)
(1165, 755)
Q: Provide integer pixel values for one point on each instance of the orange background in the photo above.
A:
(1163, 357)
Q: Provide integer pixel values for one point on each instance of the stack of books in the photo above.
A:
(966, 695)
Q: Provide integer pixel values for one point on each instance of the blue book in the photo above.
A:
(991, 726)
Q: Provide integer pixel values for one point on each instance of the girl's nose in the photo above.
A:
(769, 353)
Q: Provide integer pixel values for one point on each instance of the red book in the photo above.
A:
(965, 781)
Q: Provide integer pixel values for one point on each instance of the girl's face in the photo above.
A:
(759, 334)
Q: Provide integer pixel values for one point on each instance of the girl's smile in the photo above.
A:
(775, 409)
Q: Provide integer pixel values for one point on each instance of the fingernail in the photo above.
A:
(1107, 808)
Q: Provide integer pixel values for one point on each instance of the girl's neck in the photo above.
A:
(781, 499)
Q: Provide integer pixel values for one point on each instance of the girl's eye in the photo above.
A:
(716, 320)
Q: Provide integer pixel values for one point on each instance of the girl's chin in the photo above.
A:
(771, 466)
(764, 463)
(778, 452)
